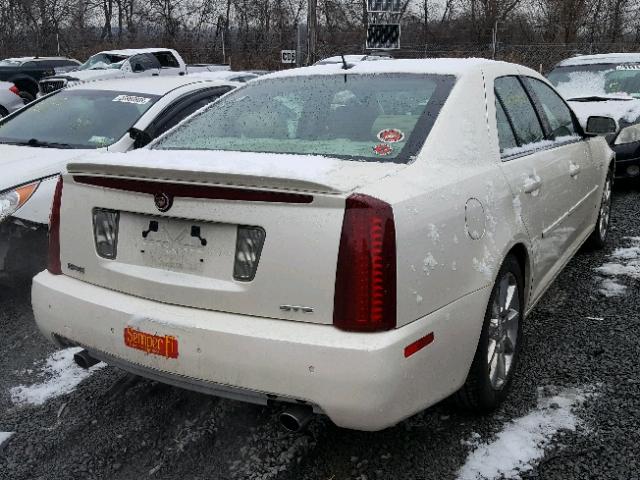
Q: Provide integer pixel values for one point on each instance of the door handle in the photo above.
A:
(155, 74)
(532, 184)
(574, 169)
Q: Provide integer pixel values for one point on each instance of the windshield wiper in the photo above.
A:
(599, 98)
(34, 142)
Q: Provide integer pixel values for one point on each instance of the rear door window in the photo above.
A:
(166, 60)
(506, 137)
(520, 112)
(557, 112)
(147, 61)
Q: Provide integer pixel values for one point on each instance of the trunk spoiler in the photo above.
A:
(208, 178)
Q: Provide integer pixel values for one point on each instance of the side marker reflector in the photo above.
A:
(418, 345)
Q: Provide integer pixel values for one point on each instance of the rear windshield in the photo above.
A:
(77, 119)
(379, 117)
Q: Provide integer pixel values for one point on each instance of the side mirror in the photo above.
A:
(137, 68)
(601, 126)
(141, 138)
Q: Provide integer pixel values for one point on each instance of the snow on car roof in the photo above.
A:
(442, 66)
(600, 59)
(150, 86)
(134, 51)
(37, 59)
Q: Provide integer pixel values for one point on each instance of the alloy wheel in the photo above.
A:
(503, 330)
(605, 209)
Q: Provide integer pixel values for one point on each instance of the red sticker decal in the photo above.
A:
(390, 135)
(382, 149)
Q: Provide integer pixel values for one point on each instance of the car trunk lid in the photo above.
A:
(187, 255)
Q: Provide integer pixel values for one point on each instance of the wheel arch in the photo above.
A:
(26, 84)
(521, 253)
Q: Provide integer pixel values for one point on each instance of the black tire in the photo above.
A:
(26, 97)
(598, 238)
(479, 393)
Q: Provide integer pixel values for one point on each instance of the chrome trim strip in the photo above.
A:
(553, 226)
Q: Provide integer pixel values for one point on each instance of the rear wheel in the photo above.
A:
(498, 349)
(598, 238)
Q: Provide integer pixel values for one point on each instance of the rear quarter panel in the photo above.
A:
(438, 261)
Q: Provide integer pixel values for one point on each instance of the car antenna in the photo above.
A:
(345, 65)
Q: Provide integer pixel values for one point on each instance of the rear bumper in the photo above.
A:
(361, 381)
(627, 160)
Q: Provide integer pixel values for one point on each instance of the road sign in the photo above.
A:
(391, 6)
(383, 36)
(288, 56)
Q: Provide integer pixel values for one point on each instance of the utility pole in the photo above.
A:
(312, 31)
(494, 40)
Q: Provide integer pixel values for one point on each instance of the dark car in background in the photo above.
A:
(606, 85)
(26, 72)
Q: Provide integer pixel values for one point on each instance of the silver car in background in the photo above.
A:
(10, 99)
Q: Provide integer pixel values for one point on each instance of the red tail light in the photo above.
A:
(53, 264)
(365, 291)
(15, 90)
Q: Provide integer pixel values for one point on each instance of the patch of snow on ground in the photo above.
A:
(523, 440)
(61, 374)
(610, 288)
(625, 262)
(4, 436)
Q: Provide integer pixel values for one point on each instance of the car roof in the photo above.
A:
(355, 58)
(37, 59)
(224, 74)
(150, 86)
(338, 58)
(442, 66)
(600, 59)
(127, 52)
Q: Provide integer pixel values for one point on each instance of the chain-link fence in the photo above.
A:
(539, 56)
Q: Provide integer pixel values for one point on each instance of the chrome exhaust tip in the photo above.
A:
(296, 418)
(84, 360)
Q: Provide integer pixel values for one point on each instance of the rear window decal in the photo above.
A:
(132, 99)
(390, 135)
(382, 149)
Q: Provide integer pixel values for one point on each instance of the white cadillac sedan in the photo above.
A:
(361, 243)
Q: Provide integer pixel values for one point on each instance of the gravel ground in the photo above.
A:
(116, 426)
